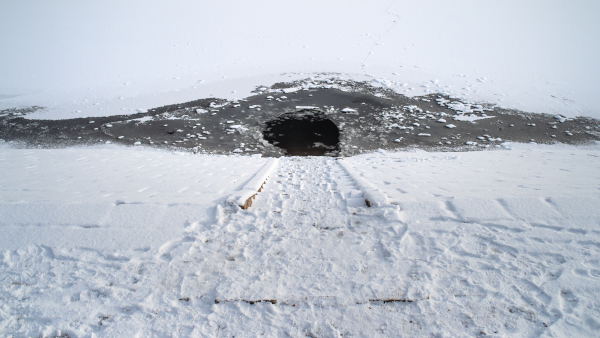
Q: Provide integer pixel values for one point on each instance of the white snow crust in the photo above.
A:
(111, 199)
(129, 242)
(113, 57)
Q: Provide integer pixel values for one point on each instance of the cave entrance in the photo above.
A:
(304, 134)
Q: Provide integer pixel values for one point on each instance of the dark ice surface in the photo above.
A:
(332, 118)
(305, 133)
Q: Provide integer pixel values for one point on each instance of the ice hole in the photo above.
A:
(303, 134)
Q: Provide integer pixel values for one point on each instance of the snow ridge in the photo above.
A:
(374, 197)
(243, 198)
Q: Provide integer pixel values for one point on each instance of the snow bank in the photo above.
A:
(518, 224)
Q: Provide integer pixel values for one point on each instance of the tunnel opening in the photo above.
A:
(304, 133)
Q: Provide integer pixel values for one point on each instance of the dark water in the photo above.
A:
(303, 134)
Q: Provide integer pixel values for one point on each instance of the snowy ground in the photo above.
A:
(110, 199)
(113, 242)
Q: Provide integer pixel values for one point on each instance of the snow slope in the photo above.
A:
(503, 243)
(91, 59)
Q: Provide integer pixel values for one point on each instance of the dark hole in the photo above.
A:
(304, 134)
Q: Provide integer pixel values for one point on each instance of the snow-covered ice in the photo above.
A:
(95, 59)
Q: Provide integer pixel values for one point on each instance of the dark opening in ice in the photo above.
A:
(304, 133)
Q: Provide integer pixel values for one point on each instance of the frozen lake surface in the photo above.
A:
(348, 118)
(105, 236)
(84, 59)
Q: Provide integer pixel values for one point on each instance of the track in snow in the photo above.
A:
(317, 188)
(310, 232)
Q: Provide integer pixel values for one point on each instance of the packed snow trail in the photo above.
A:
(307, 251)
(307, 238)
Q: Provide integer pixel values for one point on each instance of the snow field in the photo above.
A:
(110, 199)
(76, 222)
(506, 241)
(117, 242)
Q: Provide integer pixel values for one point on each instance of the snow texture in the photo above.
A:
(372, 195)
(129, 242)
(110, 199)
(253, 186)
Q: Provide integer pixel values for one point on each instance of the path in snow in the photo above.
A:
(110, 199)
(306, 258)
(307, 236)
